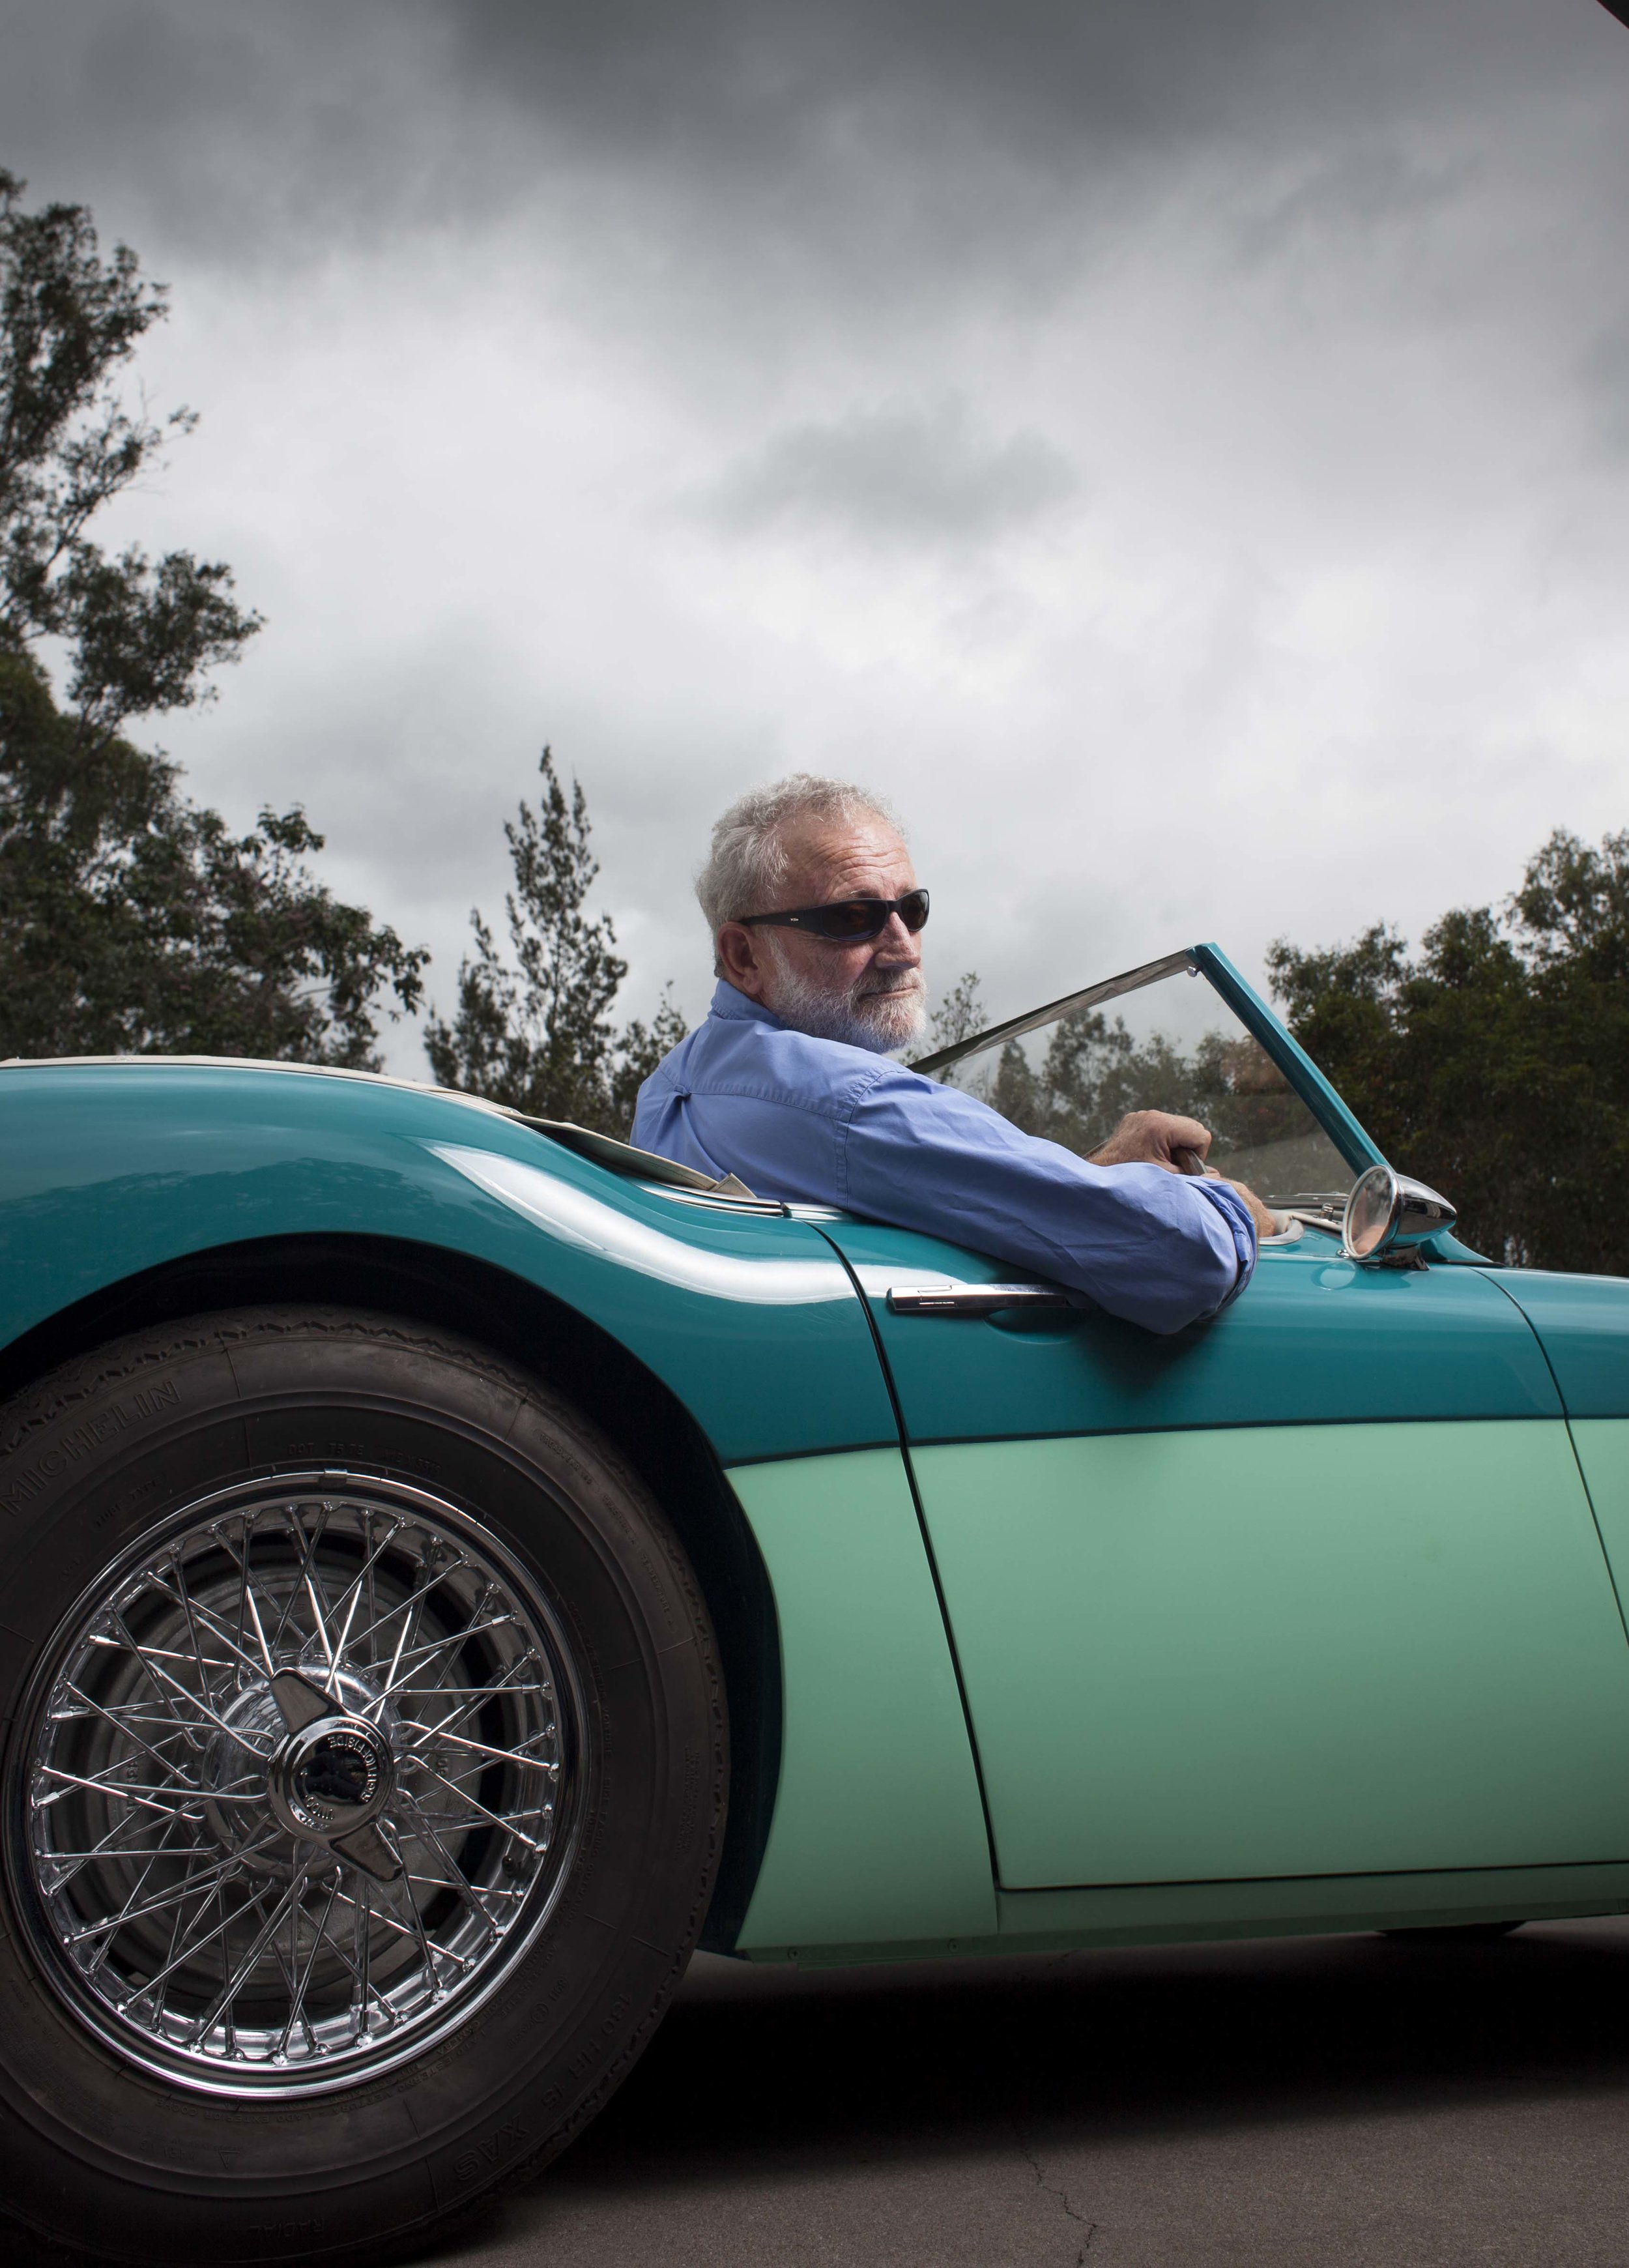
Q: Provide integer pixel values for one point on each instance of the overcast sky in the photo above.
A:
(1180, 453)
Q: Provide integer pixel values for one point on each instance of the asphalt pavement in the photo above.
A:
(1319, 2103)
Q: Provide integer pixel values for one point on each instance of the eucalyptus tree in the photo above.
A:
(131, 917)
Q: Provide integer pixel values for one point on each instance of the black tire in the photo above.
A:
(126, 2163)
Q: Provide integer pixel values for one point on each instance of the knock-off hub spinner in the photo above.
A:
(332, 1775)
(331, 1778)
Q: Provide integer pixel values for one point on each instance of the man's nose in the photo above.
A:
(897, 945)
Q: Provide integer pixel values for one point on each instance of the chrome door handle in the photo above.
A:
(971, 1298)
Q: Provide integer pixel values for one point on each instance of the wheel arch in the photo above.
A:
(525, 1325)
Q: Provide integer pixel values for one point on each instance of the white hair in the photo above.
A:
(748, 858)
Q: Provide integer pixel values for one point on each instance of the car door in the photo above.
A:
(1312, 1588)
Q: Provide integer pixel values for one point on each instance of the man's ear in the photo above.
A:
(738, 951)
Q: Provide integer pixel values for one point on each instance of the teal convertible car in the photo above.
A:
(453, 1565)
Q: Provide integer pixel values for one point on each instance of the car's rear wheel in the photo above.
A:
(363, 1788)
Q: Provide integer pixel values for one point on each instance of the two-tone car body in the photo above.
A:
(1004, 1623)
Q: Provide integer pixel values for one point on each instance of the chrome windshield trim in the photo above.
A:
(1133, 980)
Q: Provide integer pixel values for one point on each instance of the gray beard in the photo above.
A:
(881, 1023)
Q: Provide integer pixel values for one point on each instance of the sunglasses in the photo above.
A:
(852, 921)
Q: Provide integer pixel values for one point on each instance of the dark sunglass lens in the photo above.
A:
(859, 917)
(914, 910)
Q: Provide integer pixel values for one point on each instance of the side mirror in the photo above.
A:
(1388, 1214)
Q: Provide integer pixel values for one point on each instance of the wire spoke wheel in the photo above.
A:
(302, 1780)
(366, 1767)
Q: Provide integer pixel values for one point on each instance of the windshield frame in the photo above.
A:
(1352, 1139)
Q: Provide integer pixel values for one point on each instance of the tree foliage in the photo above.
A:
(1494, 1063)
(534, 1030)
(1092, 1071)
(957, 1017)
(130, 917)
(140, 634)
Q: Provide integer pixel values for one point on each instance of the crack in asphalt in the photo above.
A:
(1052, 2189)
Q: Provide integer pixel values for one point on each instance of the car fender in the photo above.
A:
(111, 1173)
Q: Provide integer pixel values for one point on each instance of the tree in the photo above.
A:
(957, 1017)
(1093, 1072)
(535, 1032)
(139, 634)
(1495, 1064)
(130, 917)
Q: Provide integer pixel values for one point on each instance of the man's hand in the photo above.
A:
(1268, 1224)
(1153, 1138)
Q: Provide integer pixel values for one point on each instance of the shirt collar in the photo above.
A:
(736, 1008)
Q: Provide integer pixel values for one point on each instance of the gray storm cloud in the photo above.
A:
(1147, 441)
(894, 474)
(910, 121)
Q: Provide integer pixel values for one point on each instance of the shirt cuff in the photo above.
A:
(1237, 1214)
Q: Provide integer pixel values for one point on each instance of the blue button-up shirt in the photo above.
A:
(817, 1122)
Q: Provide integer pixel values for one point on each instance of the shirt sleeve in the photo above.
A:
(1160, 1250)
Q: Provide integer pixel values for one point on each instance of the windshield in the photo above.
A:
(1158, 1038)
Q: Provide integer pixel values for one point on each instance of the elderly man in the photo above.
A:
(816, 917)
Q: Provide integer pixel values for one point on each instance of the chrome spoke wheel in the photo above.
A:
(302, 1783)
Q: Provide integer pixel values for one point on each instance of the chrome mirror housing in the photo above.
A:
(1388, 1213)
